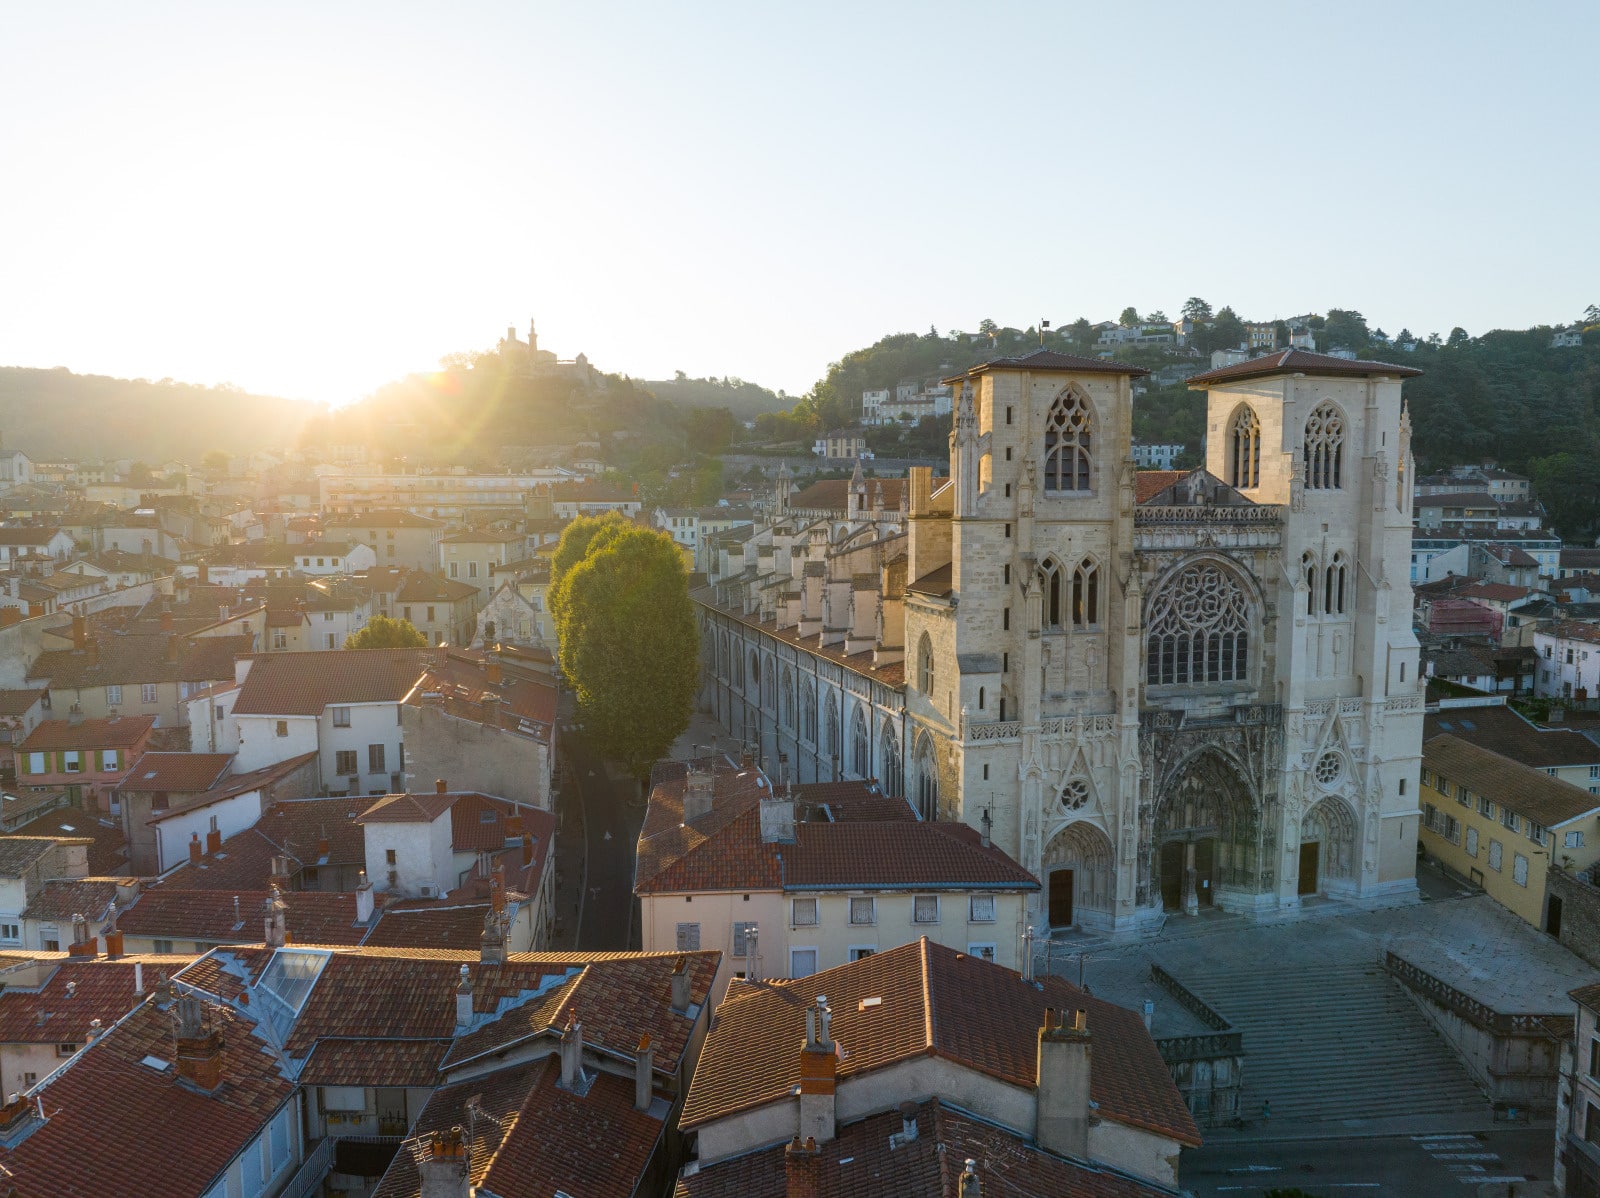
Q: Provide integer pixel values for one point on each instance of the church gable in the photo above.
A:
(1196, 488)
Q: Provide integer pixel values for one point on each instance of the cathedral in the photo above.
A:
(1160, 691)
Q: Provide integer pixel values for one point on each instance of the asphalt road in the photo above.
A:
(609, 921)
(1462, 1164)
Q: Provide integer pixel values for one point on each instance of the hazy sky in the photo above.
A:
(311, 199)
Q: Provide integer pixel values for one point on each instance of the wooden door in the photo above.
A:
(1205, 867)
(1061, 898)
(1172, 866)
(1309, 854)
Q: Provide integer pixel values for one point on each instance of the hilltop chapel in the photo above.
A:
(1160, 691)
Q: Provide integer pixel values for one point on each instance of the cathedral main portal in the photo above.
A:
(1207, 836)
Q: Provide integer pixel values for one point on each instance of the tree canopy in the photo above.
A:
(381, 632)
(629, 642)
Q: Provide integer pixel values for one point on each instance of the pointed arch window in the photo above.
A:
(1086, 594)
(1324, 450)
(808, 711)
(1068, 440)
(1198, 629)
(1244, 446)
(1335, 586)
(860, 746)
(1308, 568)
(894, 780)
(1050, 582)
(925, 665)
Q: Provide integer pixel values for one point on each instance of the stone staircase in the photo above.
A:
(1333, 1043)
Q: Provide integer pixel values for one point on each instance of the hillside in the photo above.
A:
(50, 413)
(745, 400)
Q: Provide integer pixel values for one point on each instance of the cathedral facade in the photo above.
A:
(1160, 691)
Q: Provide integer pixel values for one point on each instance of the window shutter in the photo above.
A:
(688, 937)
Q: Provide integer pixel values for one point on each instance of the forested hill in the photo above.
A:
(56, 413)
(745, 400)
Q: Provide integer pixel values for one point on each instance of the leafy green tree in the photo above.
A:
(574, 546)
(1082, 333)
(140, 475)
(1196, 309)
(1591, 314)
(1280, 333)
(1458, 338)
(630, 647)
(988, 327)
(1347, 328)
(383, 633)
(1158, 317)
(1226, 331)
(1569, 484)
(1129, 317)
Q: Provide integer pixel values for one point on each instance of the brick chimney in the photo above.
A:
(680, 985)
(83, 945)
(819, 1074)
(644, 1074)
(166, 618)
(440, 786)
(213, 840)
(444, 1166)
(802, 1169)
(199, 1046)
(196, 852)
(80, 633)
(492, 943)
(1063, 1084)
(493, 674)
(513, 830)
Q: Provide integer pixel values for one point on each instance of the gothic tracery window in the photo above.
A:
(1198, 629)
(1308, 568)
(925, 665)
(808, 712)
(1334, 590)
(1051, 586)
(1244, 446)
(860, 746)
(1085, 594)
(893, 774)
(1068, 436)
(1324, 451)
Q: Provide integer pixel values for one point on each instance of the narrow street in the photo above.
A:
(610, 826)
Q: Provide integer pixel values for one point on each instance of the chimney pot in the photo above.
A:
(440, 786)
(464, 1001)
(802, 1169)
(572, 1076)
(680, 985)
(1062, 1078)
(195, 851)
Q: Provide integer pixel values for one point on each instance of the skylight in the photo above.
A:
(287, 982)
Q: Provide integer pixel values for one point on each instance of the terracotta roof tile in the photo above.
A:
(18, 852)
(181, 772)
(861, 1163)
(134, 659)
(306, 683)
(19, 702)
(1520, 788)
(76, 992)
(1299, 361)
(210, 916)
(61, 899)
(108, 849)
(421, 808)
(1050, 360)
(426, 923)
(352, 1062)
(115, 732)
(1501, 730)
(934, 1000)
(1147, 484)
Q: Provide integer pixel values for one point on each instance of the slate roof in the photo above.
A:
(935, 1002)
(307, 683)
(181, 772)
(135, 658)
(1502, 731)
(861, 1163)
(1050, 360)
(209, 916)
(1520, 788)
(1299, 361)
(723, 850)
(117, 732)
(539, 1139)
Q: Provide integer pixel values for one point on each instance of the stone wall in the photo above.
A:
(1580, 913)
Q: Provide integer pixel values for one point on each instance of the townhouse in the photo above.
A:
(85, 758)
(1567, 654)
(319, 558)
(396, 537)
(441, 609)
(473, 555)
(1560, 752)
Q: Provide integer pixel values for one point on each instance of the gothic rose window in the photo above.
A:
(1198, 629)
(1324, 448)
(1068, 434)
(1075, 793)
(1244, 444)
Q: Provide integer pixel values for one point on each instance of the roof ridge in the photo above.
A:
(927, 995)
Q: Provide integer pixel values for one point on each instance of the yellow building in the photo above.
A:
(1499, 823)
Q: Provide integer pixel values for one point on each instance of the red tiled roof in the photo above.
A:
(228, 785)
(539, 1138)
(1050, 360)
(63, 898)
(1299, 361)
(113, 733)
(1147, 484)
(108, 849)
(430, 923)
(137, 658)
(77, 991)
(1571, 630)
(862, 1163)
(410, 808)
(181, 772)
(209, 916)
(1496, 591)
(935, 1001)
(108, 1098)
(460, 681)
(291, 827)
(350, 1062)
(833, 495)
(20, 702)
(306, 683)
(1502, 731)
(418, 587)
(723, 850)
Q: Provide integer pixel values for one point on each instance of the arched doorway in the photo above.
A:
(1080, 883)
(1327, 847)
(1205, 839)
